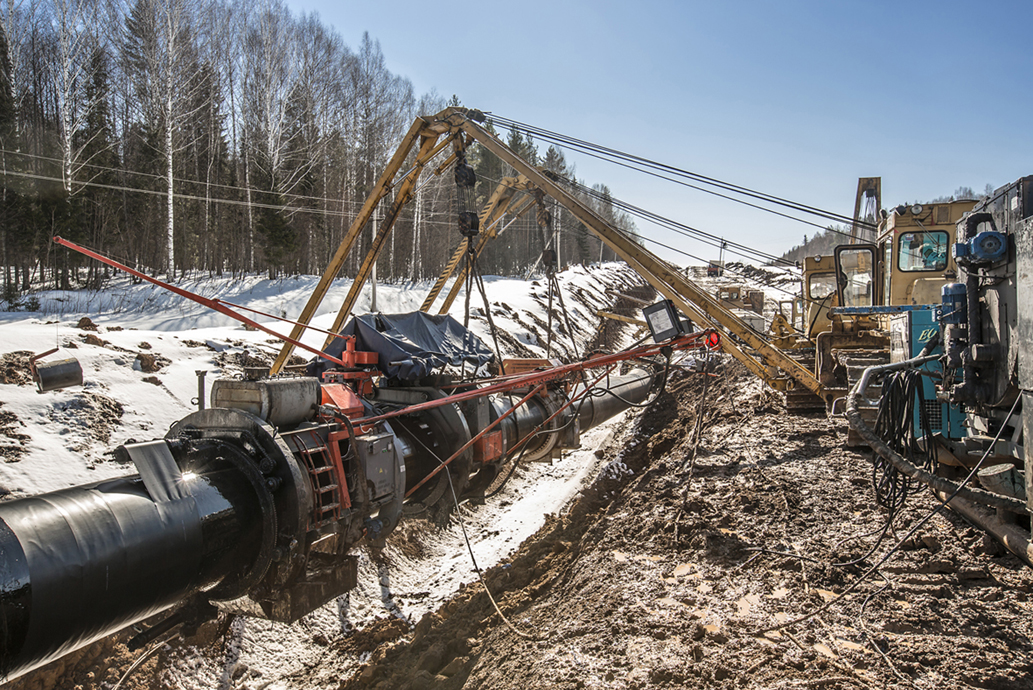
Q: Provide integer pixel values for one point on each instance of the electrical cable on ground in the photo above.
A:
(469, 547)
(941, 503)
(142, 658)
(687, 468)
(867, 636)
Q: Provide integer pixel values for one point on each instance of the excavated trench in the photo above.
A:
(713, 515)
(666, 568)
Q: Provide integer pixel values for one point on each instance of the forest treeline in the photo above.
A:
(222, 136)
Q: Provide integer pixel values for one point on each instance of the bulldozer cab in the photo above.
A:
(730, 295)
(819, 280)
(787, 325)
(738, 297)
(915, 244)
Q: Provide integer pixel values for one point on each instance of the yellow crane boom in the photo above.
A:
(751, 348)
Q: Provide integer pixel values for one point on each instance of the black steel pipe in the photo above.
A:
(523, 422)
(611, 397)
(79, 564)
(633, 387)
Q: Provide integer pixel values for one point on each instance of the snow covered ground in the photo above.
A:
(70, 431)
(63, 438)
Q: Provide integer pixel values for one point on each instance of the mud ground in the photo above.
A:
(717, 517)
(664, 572)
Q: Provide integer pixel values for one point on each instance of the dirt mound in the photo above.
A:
(12, 441)
(245, 359)
(151, 363)
(91, 339)
(14, 368)
(761, 275)
(626, 303)
(90, 415)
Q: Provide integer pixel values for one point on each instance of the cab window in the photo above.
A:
(922, 251)
(857, 275)
(821, 285)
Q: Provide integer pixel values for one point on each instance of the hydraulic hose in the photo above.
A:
(898, 461)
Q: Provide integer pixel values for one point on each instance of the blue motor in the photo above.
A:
(954, 300)
(988, 247)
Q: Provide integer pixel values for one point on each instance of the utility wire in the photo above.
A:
(295, 198)
(215, 200)
(681, 228)
(737, 274)
(689, 255)
(587, 146)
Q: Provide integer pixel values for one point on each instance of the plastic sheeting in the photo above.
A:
(409, 346)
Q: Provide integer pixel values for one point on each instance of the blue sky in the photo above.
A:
(796, 98)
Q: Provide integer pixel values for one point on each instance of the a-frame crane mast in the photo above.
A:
(506, 199)
(459, 126)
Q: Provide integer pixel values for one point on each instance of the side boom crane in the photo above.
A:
(507, 198)
(751, 348)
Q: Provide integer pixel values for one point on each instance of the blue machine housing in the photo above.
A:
(954, 303)
(911, 332)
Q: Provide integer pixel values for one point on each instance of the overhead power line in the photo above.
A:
(293, 198)
(742, 250)
(214, 200)
(630, 160)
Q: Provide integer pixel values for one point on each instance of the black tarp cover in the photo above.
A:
(409, 346)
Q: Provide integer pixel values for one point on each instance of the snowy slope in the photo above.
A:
(65, 450)
(71, 432)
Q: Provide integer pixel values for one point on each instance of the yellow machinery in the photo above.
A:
(739, 297)
(459, 127)
(905, 266)
(852, 294)
(857, 277)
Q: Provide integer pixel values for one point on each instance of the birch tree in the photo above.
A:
(161, 51)
(269, 84)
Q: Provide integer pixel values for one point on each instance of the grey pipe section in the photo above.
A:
(898, 461)
(1013, 538)
(593, 410)
(79, 564)
(522, 422)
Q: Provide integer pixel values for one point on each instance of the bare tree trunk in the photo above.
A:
(250, 239)
(417, 221)
(170, 200)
